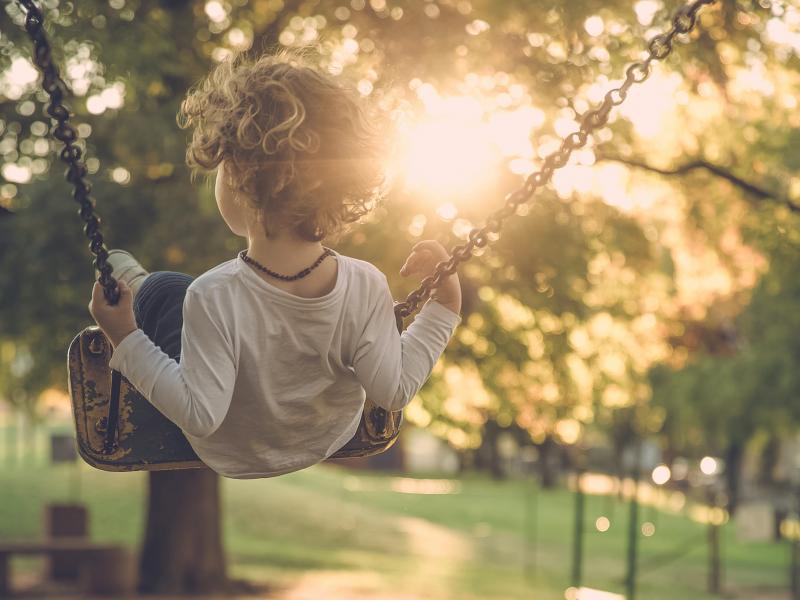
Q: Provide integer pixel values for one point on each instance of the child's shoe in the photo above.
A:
(127, 269)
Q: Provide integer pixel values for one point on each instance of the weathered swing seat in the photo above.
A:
(140, 438)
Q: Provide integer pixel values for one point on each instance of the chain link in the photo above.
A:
(658, 49)
(71, 153)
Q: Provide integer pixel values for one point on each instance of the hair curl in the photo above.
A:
(297, 144)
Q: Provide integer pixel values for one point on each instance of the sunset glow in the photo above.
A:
(449, 150)
(458, 142)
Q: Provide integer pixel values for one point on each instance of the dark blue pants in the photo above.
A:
(158, 308)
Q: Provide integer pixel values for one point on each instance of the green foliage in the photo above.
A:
(720, 399)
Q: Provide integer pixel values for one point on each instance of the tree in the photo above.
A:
(733, 392)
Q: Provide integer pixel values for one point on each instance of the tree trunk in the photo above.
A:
(770, 456)
(182, 550)
(487, 456)
(733, 468)
(548, 474)
(619, 468)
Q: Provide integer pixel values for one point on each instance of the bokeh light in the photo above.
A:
(661, 474)
(215, 11)
(602, 524)
(708, 465)
(18, 78)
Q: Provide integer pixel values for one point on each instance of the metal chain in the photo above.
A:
(71, 153)
(658, 48)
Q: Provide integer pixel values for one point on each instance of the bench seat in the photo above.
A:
(105, 568)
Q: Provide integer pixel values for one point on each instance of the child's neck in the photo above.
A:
(290, 255)
(283, 253)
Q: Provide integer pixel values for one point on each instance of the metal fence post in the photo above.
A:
(577, 540)
(633, 531)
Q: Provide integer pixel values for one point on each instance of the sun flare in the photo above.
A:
(448, 150)
(461, 143)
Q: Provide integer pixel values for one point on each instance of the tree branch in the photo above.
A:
(748, 188)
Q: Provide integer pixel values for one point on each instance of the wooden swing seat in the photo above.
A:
(145, 440)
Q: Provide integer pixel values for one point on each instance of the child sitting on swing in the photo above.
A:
(264, 361)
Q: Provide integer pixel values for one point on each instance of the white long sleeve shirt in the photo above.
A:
(270, 382)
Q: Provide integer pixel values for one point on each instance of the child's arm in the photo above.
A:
(195, 394)
(392, 367)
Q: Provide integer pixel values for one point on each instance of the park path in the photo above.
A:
(318, 585)
(440, 549)
(332, 585)
(336, 585)
(327, 586)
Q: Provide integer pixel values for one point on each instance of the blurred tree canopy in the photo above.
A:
(648, 244)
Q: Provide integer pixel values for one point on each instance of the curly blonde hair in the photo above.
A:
(296, 143)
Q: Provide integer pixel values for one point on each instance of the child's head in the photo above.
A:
(296, 145)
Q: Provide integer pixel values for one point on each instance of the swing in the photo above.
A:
(117, 428)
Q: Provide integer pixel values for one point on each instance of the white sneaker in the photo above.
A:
(127, 269)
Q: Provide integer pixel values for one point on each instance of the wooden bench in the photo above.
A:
(105, 568)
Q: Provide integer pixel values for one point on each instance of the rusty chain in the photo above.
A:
(71, 153)
(658, 48)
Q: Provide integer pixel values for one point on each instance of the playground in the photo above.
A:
(399, 300)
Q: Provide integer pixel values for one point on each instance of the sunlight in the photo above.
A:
(111, 97)
(407, 485)
(447, 154)
(585, 593)
(646, 10)
(16, 173)
(81, 70)
(215, 11)
(454, 146)
(458, 143)
(650, 106)
(784, 31)
(20, 75)
(22, 72)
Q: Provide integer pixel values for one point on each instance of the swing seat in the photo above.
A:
(144, 439)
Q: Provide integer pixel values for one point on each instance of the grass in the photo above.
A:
(483, 540)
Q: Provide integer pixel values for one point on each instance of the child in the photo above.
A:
(279, 346)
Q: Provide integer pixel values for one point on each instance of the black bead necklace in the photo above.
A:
(327, 252)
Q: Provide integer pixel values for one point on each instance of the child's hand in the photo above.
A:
(422, 262)
(116, 321)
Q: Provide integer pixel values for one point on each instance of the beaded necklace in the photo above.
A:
(327, 252)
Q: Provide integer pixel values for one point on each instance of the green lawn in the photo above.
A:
(481, 540)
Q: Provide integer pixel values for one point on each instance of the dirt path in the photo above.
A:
(318, 585)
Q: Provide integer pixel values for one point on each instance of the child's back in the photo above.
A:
(273, 382)
(274, 367)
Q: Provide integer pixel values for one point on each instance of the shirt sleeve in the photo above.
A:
(391, 366)
(194, 393)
